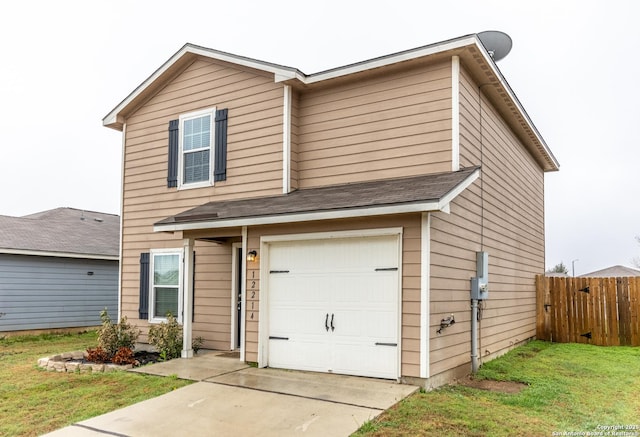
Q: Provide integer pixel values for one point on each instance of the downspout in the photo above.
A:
(474, 336)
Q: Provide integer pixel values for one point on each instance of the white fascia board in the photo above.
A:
(391, 59)
(494, 68)
(281, 73)
(447, 198)
(59, 254)
(301, 217)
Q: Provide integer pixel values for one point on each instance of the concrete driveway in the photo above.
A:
(232, 399)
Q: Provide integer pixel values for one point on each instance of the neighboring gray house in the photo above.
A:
(612, 272)
(58, 269)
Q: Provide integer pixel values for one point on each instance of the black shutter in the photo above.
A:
(193, 289)
(220, 171)
(174, 139)
(143, 308)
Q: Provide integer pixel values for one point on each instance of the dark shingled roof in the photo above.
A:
(62, 230)
(380, 193)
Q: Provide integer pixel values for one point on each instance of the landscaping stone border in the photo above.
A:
(75, 362)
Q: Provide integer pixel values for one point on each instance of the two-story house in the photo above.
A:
(330, 222)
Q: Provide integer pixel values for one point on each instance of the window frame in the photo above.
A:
(154, 318)
(181, 152)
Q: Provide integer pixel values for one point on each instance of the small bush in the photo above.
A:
(112, 337)
(97, 355)
(196, 344)
(167, 338)
(124, 356)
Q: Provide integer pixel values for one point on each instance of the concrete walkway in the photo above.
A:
(233, 399)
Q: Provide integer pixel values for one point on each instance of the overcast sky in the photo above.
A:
(574, 67)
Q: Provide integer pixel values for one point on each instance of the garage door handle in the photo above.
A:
(332, 327)
(386, 344)
(326, 322)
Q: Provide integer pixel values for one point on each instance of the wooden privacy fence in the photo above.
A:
(599, 311)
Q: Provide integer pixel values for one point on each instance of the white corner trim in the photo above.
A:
(425, 308)
(124, 144)
(455, 113)
(286, 141)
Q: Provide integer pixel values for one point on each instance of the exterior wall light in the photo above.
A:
(251, 256)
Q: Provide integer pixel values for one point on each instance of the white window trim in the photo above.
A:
(153, 318)
(183, 118)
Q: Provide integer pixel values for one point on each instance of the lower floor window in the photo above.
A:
(166, 280)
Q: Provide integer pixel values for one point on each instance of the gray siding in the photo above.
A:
(46, 292)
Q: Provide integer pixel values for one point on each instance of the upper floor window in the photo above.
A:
(197, 130)
(197, 149)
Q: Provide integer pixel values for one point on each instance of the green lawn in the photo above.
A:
(571, 388)
(35, 401)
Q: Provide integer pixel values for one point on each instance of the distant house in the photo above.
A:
(612, 272)
(58, 269)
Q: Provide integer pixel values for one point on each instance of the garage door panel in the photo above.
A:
(310, 355)
(301, 321)
(365, 360)
(336, 278)
(379, 325)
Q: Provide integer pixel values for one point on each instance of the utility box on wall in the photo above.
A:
(480, 284)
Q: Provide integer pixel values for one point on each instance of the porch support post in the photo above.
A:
(187, 322)
(243, 291)
(425, 261)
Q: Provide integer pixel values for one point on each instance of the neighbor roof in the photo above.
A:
(64, 232)
(612, 272)
(468, 47)
(411, 194)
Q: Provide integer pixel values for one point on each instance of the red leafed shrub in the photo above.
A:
(124, 356)
(97, 355)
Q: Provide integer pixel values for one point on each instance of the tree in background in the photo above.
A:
(559, 268)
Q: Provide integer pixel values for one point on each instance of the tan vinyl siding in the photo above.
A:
(379, 127)
(254, 168)
(511, 226)
(410, 365)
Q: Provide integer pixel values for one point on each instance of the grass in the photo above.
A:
(35, 401)
(571, 388)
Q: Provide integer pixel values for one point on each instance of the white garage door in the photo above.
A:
(333, 305)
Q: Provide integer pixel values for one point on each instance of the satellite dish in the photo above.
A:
(497, 43)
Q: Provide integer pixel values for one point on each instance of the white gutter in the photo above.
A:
(59, 254)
